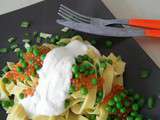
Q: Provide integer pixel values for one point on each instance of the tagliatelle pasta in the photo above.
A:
(84, 101)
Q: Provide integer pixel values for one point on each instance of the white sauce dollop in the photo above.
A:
(54, 80)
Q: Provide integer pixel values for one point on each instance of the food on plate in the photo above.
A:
(69, 80)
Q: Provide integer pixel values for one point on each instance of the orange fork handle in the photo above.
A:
(145, 23)
(152, 33)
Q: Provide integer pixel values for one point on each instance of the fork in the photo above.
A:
(149, 27)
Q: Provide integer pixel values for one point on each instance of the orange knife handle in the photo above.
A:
(145, 23)
(152, 33)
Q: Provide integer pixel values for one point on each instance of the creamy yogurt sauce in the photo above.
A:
(54, 80)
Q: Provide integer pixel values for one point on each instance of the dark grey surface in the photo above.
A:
(43, 16)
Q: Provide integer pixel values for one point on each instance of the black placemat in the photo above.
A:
(43, 16)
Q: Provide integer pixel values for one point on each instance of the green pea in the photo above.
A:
(31, 62)
(21, 96)
(76, 75)
(72, 89)
(134, 114)
(5, 81)
(83, 90)
(108, 44)
(135, 107)
(100, 93)
(19, 69)
(29, 49)
(130, 118)
(75, 68)
(36, 66)
(98, 99)
(82, 69)
(94, 81)
(7, 103)
(123, 110)
(126, 103)
(67, 103)
(151, 102)
(139, 118)
(108, 109)
(122, 95)
(117, 98)
(24, 64)
(111, 102)
(119, 105)
(27, 78)
(36, 52)
(114, 110)
(43, 56)
(20, 54)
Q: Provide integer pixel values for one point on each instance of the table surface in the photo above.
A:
(43, 17)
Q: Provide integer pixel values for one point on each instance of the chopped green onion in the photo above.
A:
(54, 39)
(25, 24)
(151, 102)
(35, 34)
(94, 81)
(145, 73)
(29, 49)
(13, 46)
(45, 35)
(20, 54)
(21, 96)
(114, 110)
(38, 39)
(117, 98)
(93, 42)
(3, 50)
(5, 69)
(12, 39)
(26, 40)
(65, 29)
(83, 90)
(108, 44)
